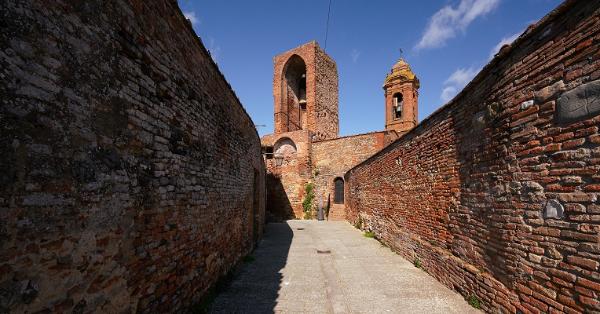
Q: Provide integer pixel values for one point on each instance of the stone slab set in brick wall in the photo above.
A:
(497, 193)
(130, 175)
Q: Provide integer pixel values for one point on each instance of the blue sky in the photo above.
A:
(445, 42)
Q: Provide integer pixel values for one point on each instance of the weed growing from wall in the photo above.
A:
(417, 262)
(309, 197)
(474, 301)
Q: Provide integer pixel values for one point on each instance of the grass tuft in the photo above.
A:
(474, 301)
(417, 263)
(369, 234)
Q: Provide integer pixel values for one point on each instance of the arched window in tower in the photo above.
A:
(295, 93)
(398, 101)
(338, 196)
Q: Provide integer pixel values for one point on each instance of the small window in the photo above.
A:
(268, 152)
(397, 105)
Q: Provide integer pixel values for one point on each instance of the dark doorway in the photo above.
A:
(338, 197)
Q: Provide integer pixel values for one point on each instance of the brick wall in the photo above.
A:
(286, 182)
(326, 124)
(332, 158)
(317, 162)
(321, 92)
(497, 193)
(130, 175)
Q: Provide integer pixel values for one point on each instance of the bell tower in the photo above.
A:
(401, 89)
(305, 90)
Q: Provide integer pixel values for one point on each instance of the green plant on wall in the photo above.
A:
(417, 262)
(359, 223)
(474, 301)
(309, 196)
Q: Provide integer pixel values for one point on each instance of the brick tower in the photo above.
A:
(401, 98)
(305, 90)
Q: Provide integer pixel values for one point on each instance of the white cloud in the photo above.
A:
(461, 76)
(448, 21)
(355, 54)
(447, 93)
(456, 81)
(191, 15)
(505, 41)
(214, 49)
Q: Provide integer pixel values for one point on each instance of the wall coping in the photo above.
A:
(502, 55)
(190, 28)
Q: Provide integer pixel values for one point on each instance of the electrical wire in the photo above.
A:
(327, 24)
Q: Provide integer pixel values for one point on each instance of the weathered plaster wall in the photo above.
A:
(497, 193)
(130, 175)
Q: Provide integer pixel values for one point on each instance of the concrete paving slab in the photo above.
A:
(352, 274)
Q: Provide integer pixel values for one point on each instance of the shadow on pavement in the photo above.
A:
(256, 287)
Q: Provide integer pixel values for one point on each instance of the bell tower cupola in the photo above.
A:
(401, 98)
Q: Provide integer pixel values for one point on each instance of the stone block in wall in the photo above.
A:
(580, 103)
(553, 209)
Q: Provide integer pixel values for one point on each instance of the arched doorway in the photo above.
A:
(338, 196)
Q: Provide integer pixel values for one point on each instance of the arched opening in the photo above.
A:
(397, 105)
(295, 93)
(338, 196)
(285, 146)
(284, 149)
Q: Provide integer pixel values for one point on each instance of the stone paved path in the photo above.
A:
(359, 275)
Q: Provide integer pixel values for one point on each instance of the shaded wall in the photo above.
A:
(496, 193)
(131, 177)
(286, 182)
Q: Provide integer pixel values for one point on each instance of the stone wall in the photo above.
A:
(497, 193)
(130, 175)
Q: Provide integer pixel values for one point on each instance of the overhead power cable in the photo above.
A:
(327, 24)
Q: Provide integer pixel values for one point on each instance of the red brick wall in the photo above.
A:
(325, 123)
(410, 113)
(469, 191)
(332, 158)
(286, 182)
(321, 92)
(130, 175)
